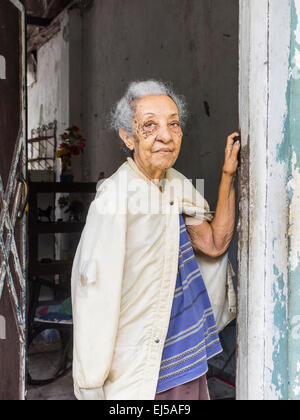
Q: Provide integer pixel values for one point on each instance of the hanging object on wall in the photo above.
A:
(73, 145)
(42, 148)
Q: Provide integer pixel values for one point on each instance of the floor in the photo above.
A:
(61, 389)
(42, 364)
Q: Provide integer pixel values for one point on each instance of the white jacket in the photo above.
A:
(123, 280)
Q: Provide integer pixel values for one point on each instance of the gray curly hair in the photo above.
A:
(123, 114)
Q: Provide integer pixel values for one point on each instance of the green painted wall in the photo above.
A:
(293, 130)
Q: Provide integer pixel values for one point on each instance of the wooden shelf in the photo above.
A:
(39, 139)
(59, 227)
(37, 227)
(61, 187)
(55, 267)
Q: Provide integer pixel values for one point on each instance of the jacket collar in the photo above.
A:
(189, 200)
(135, 168)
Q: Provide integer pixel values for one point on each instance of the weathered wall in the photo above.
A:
(293, 134)
(48, 98)
(191, 43)
(57, 92)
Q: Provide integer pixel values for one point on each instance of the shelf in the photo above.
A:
(55, 267)
(39, 139)
(39, 159)
(37, 227)
(59, 227)
(61, 187)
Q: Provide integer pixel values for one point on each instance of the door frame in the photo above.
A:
(262, 326)
(262, 254)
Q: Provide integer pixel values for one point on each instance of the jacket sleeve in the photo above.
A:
(97, 274)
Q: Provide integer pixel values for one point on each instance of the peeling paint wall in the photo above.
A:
(269, 254)
(276, 272)
(57, 92)
(48, 97)
(294, 207)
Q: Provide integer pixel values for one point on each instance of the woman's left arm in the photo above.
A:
(213, 239)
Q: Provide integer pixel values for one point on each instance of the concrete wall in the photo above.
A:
(191, 43)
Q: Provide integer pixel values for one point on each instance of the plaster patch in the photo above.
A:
(295, 72)
(283, 147)
(279, 356)
(296, 389)
(295, 323)
(297, 30)
(279, 292)
(296, 386)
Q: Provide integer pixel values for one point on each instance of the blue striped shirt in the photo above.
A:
(192, 337)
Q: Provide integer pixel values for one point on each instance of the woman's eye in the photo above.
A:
(150, 125)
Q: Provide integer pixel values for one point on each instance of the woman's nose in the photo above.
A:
(164, 134)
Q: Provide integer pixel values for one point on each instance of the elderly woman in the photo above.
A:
(144, 326)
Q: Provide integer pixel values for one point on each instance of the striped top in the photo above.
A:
(192, 337)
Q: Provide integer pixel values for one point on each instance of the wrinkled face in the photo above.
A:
(157, 133)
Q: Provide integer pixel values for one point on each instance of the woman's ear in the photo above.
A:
(127, 139)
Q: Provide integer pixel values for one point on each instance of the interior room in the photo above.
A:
(81, 56)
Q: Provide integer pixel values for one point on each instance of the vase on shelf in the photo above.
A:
(66, 173)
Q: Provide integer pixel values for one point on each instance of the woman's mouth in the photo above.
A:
(164, 151)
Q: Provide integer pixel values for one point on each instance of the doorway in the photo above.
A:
(94, 49)
(195, 47)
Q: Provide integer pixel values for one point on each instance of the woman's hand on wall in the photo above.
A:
(231, 155)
